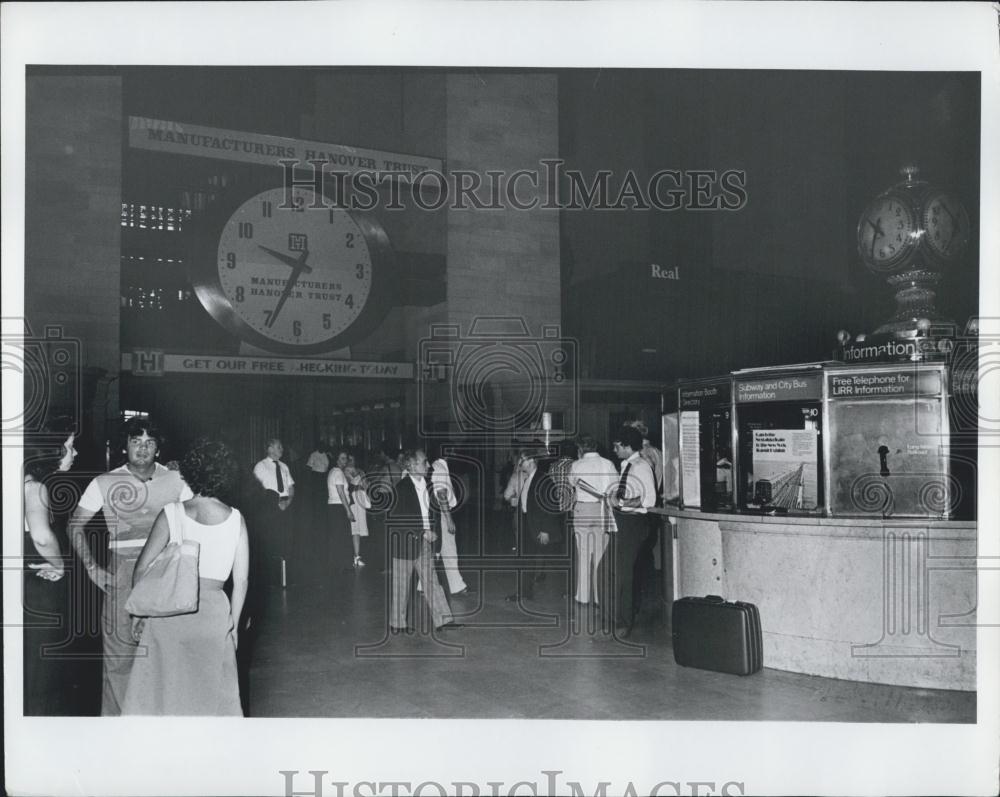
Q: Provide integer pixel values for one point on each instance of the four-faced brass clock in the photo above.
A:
(912, 225)
(288, 272)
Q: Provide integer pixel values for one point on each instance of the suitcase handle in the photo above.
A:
(715, 598)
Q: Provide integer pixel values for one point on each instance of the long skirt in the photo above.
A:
(186, 664)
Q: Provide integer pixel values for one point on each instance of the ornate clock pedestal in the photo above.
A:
(915, 309)
(910, 234)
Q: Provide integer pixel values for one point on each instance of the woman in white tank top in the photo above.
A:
(190, 662)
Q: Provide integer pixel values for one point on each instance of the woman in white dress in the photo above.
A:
(360, 504)
(189, 666)
(341, 517)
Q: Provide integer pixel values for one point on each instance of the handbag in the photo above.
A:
(169, 585)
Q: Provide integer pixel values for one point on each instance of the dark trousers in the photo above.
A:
(617, 571)
(536, 559)
(644, 579)
(273, 533)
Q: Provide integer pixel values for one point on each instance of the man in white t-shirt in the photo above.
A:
(131, 497)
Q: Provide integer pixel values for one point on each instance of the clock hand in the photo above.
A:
(298, 266)
(288, 260)
(877, 233)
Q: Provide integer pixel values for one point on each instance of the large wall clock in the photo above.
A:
(298, 277)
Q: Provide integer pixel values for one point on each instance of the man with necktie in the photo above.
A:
(630, 501)
(274, 532)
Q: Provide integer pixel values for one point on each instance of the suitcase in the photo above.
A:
(714, 634)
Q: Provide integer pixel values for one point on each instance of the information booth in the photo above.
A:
(845, 523)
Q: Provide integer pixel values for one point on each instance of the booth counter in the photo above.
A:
(863, 599)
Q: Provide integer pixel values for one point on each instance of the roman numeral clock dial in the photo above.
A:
(295, 278)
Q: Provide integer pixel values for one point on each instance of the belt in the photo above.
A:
(113, 544)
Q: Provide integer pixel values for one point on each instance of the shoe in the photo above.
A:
(398, 631)
(358, 562)
(465, 591)
(452, 626)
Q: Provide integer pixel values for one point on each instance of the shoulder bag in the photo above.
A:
(169, 585)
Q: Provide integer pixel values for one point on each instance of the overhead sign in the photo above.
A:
(157, 363)
(181, 138)
(790, 387)
(885, 384)
(704, 395)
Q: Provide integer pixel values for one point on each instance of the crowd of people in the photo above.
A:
(571, 509)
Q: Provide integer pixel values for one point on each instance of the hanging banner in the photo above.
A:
(157, 363)
(182, 138)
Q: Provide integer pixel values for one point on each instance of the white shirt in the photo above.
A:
(265, 473)
(218, 542)
(318, 461)
(639, 483)
(441, 480)
(654, 457)
(525, 488)
(420, 483)
(334, 479)
(513, 489)
(597, 472)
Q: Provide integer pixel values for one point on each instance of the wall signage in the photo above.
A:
(658, 272)
(156, 363)
(885, 384)
(691, 458)
(693, 397)
(238, 145)
(791, 387)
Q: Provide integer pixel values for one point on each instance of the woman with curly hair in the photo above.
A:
(189, 666)
(45, 594)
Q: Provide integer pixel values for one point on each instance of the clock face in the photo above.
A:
(886, 232)
(294, 279)
(946, 226)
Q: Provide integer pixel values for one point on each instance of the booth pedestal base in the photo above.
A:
(890, 602)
